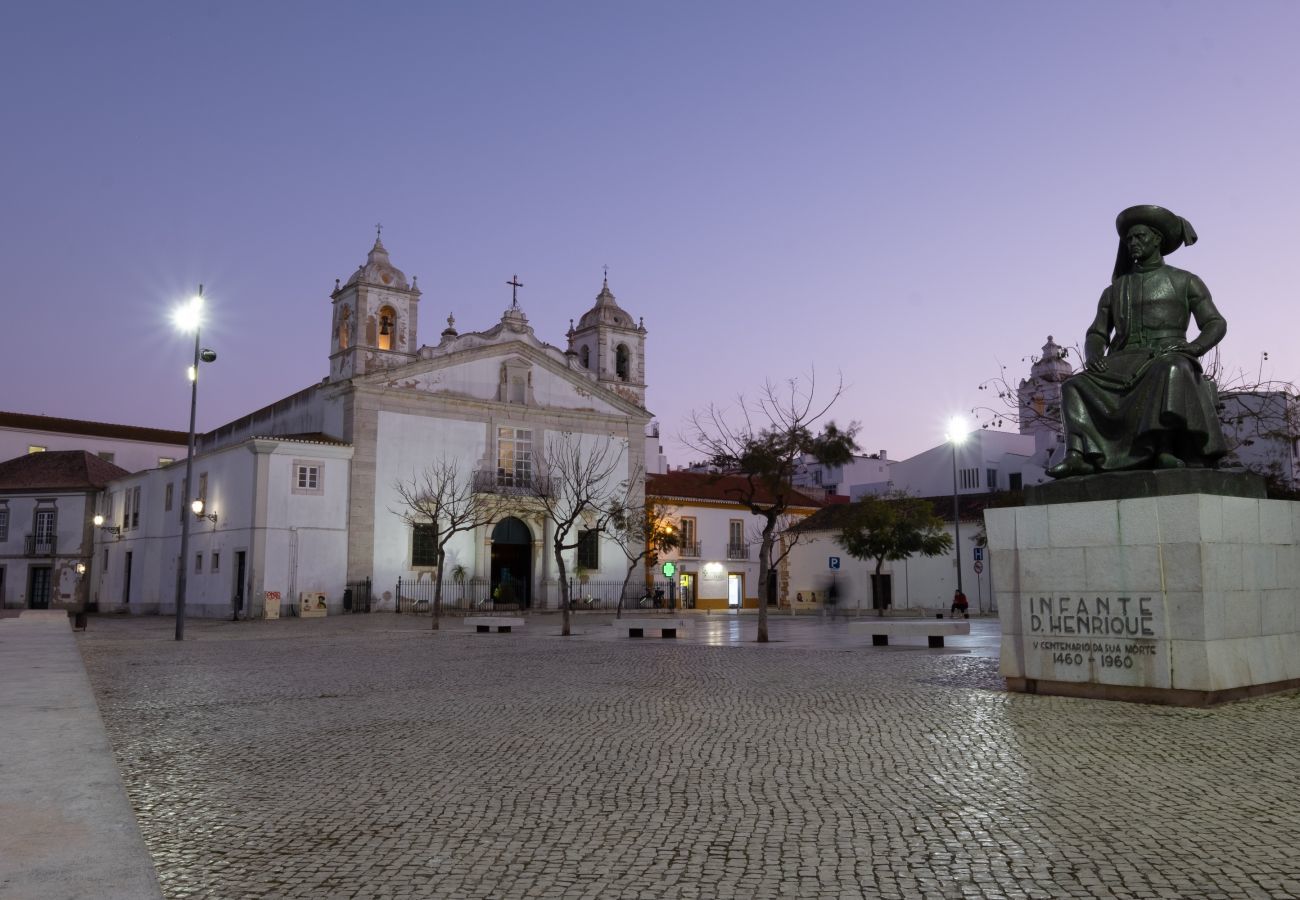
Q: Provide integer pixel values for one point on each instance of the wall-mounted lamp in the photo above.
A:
(99, 523)
(197, 506)
(81, 569)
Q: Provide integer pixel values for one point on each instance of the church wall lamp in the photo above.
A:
(197, 507)
(98, 522)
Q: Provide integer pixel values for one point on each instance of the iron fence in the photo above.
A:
(357, 596)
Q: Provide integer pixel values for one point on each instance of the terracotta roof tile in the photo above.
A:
(30, 422)
(719, 488)
(57, 470)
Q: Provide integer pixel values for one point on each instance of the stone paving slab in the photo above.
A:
(367, 757)
(66, 827)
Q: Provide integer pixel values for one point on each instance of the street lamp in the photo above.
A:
(197, 508)
(188, 318)
(957, 432)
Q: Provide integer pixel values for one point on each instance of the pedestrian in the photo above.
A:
(960, 605)
(833, 598)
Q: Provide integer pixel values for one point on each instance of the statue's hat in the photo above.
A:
(1174, 230)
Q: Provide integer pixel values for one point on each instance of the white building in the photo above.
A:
(718, 539)
(128, 446)
(301, 496)
(818, 479)
(46, 537)
(1262, 429)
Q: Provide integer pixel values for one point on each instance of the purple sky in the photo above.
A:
(909, 194)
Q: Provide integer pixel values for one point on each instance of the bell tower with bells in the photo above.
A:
(375, 317)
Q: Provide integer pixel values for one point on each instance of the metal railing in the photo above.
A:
(40, 545)
(737, 551)
(499, 481)
(357, 596)
(689, 550)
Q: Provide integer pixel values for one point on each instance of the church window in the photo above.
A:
(514, 457)
(622, 362)
(517, 389)
(584, 356)
(589, 549)
(307, 477)
(387, 328)
(424, 550)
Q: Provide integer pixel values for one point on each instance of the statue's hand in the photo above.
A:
(1179, 347)
(1096, 364)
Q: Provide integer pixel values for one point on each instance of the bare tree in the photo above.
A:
(642, 533)
(441, 502)
(761, 441)
(579, 486)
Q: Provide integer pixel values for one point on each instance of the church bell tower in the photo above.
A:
(375, 318)
(611, 347)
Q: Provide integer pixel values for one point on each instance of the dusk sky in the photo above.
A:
(911, 195)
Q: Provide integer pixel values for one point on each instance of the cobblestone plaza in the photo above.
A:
(367, 757)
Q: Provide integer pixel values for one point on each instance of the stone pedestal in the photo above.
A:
(1187, 599)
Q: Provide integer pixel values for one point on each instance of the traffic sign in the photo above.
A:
(979, 567)
(669, 570)
(979, 553)
(835, 562)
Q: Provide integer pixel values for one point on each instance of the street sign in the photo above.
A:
(979, 554)
(979, 567)
(835, 562)
(669, 570)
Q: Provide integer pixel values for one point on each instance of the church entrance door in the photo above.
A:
(512, 564)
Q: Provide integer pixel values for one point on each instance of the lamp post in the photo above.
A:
(957, 431)
(189, 317)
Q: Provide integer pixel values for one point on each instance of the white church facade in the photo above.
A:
(300, 498)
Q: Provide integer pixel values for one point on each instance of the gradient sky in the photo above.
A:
(912, 195)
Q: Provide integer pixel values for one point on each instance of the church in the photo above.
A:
(301, 497)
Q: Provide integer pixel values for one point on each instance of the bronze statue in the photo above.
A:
(1142, 400)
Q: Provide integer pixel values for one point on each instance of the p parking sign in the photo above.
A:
(835, 562)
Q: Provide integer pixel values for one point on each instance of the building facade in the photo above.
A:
(304, 496)
(716, 558)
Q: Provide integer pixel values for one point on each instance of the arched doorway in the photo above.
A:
(512, 562)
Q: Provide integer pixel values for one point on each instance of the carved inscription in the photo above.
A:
(1092, 638)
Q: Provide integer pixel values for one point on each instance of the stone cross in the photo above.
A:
(515, 285)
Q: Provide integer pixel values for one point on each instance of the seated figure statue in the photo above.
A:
(1142, 401)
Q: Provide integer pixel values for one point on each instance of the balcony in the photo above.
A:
(40, 545)
(738, 551)
(510, 484)
(689, 550)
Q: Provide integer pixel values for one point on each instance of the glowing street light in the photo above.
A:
(958, 429)
(187, 318)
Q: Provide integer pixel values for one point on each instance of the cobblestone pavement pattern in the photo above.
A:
(365, 757)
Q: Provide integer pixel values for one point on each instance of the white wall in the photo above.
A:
(130, 455)
(72, 545)
(291, 542)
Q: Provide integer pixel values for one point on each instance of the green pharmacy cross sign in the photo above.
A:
(669, 570)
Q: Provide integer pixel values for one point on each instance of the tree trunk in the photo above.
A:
(437, 589)
(875, 586)
(564, 592)
(618, 610)
(765, 591)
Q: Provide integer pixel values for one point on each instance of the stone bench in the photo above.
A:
(636, 628)
(933, 629)
(484, 624)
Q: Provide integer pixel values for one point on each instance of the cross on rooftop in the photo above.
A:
(515, 285)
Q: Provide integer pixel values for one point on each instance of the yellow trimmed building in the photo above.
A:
(717, 555)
